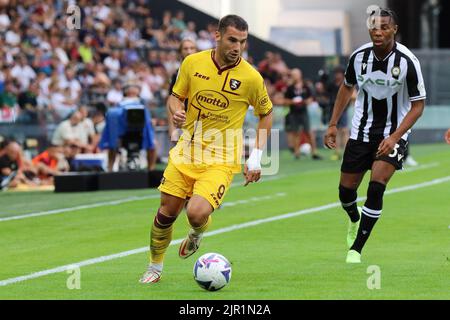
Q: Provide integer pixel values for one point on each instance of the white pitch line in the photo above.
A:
(86, 206)
(420, 167)
(253, 199)
(207, 234)
(107, 203)
(114, 202)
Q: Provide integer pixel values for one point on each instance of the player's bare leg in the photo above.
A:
(199, 215)
(161, 235)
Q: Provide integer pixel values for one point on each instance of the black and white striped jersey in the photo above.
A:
(385, 90)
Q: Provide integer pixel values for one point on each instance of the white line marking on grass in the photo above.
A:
(107, 203)
(253, 199)
(114, 202)
(207, 234)
(420, 167)
(86, 206)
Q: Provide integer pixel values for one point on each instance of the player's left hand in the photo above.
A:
(251, 176)
(386, 146)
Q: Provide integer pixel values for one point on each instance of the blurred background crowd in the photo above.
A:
(65, 79)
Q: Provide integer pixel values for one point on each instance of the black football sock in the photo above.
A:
(348, 201)
(370, 214)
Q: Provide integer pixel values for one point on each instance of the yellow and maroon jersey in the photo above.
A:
(218, 102)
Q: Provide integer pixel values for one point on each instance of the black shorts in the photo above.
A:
(296, 121)
(359, 156)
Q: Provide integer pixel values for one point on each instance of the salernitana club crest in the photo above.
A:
(234, 84)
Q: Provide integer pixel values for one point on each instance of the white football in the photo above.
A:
(305, 149)
(212, 271)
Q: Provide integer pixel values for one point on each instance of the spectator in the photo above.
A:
(278, 65)
(22, 72)
(190, 32)
(43, 60)
(178, 22)
(323, 99)
(298, 96)
(27, 101)
(86, 132)
(69, 133)
(115, 94)
(61, 101)
(139, 10)
(50, 163)
(204, 41)
(86, 50)
(112, 64)
(69, 81)
(8, 102)
(342, 125)
(5, 21)
(150, 32)
(12, 166)
(13, 35)
(98, 118)
(117, 127)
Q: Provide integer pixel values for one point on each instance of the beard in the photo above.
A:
(230, 58)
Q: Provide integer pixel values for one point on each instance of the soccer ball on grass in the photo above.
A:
(212, 271)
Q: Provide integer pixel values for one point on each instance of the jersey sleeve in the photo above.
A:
(260, 99)
(350, 75)
(414, 80)
(173, 79)
(181, 87)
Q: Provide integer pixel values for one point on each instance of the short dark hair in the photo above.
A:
(386, 12)
(232, 20)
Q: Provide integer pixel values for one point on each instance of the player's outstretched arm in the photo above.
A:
(252, 168)
(387, 145)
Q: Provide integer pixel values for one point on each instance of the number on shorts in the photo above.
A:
(394, 152)
(221, 191)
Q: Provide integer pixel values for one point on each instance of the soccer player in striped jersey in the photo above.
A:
(391, 97)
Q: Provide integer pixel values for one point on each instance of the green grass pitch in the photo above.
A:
(297, 257)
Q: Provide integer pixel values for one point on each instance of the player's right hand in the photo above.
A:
(329, 139)
(179, 118)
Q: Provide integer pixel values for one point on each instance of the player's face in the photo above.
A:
(382, 32)
(188, 48)
(231, 44)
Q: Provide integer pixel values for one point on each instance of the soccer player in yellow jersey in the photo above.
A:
(219, 86)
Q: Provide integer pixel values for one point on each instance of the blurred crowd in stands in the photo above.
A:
(52, 74)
